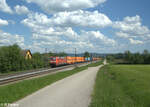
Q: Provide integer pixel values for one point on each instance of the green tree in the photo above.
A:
(37, 60)
(137, 59)
(86, 54)
(10, 58)
(146, 56)
(128, 56)
(110, 57)
(61, 54)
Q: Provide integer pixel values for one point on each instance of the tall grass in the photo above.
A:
(122, 86)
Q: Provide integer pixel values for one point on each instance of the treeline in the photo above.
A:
(131, 58)
(11, 59)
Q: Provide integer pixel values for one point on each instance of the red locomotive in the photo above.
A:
(56, 61)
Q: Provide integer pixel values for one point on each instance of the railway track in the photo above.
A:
(25, 75)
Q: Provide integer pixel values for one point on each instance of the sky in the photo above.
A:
(101, 26)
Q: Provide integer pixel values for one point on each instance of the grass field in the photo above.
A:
(122, 86)
(95, 64)
(13, 92)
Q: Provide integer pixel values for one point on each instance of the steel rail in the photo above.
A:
(23, 76)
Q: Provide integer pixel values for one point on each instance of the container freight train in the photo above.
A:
(57, 61)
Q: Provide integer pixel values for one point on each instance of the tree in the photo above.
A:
(86, 54)
(137, 59)
(51, 54)
(119, 56)
(110, 57)
(146, 56)
(10, 58)
(128, 56)
(61, 54)
(37, 60)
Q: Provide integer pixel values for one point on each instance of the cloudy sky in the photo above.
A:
(103, 26)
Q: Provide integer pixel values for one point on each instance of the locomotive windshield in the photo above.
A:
(52, 58)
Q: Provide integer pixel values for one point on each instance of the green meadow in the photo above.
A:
(122, 86)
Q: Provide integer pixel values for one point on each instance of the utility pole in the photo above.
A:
(46, 57)
(45, 50)
(91, 57)
(75, 50)
(75, 54)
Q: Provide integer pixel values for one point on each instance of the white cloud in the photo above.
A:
(21, 9)
(67, 39)
(122, 34)
(56, 33)
(4, 7)
(97, 38)
(81, 18)
(132, 25)
(3, 22)
(9, 39)
(57, 44)
(47, 28)
(78, 18)
(53, 6)
(132, 41)
(131, 29)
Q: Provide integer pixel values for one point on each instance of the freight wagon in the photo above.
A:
(87, 59)
(57, 61)
(70, 60)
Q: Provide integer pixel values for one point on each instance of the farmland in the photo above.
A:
(122, 86)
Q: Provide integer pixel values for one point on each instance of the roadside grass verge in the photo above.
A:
(95, 64)
(122, 86)
(13, 92)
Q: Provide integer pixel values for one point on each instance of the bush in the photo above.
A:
(130, 58)
(11, 59)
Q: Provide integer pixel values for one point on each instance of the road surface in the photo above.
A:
(73, 91)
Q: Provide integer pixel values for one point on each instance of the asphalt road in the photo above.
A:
(73, 91)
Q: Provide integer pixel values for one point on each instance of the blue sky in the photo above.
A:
(103, 26)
